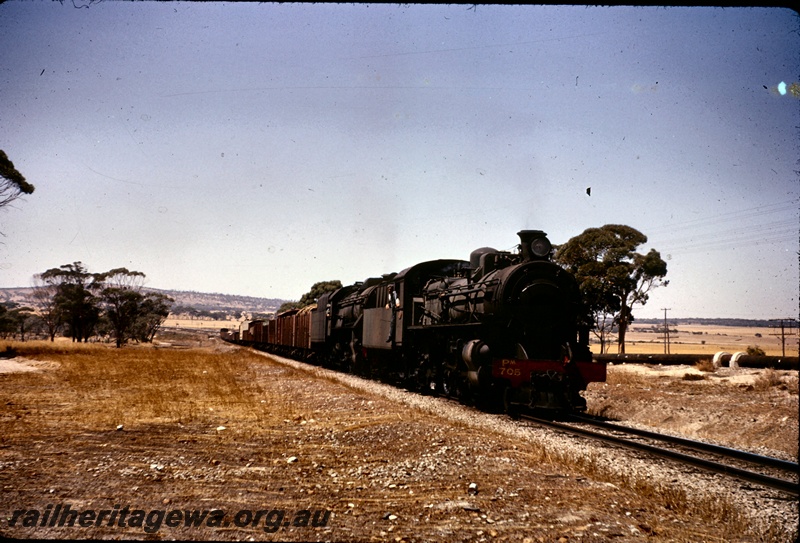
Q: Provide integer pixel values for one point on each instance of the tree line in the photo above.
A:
(80, 304)
(311, 297)
(612, 276)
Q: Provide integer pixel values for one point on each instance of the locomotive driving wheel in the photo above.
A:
(454, 384)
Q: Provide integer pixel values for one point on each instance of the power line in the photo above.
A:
(716, 233)
(737, 215)
(765, 228)
(733, 241)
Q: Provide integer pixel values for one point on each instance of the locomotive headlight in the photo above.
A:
(541, 247)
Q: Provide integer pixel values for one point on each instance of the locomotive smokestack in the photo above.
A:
(534, 245)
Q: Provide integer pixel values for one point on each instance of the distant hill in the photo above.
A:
(20, 296)
(222, 302)
(230, 304)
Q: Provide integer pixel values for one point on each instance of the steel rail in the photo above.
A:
(789, 487)
(758, 459)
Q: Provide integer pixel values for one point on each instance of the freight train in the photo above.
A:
(506, 330)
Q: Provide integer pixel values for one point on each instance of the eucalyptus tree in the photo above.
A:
(76, 301)
(44, 293)
(120, 296)
(153, 311)
(613, 277)
(16, 319)
(72, 296)
(133, 313)
(311, 297)
(12, 183)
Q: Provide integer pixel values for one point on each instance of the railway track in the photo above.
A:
(723, 456)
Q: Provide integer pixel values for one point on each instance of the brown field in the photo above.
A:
(199, 324)
(705, 339)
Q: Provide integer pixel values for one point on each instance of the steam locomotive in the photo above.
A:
(506, 330)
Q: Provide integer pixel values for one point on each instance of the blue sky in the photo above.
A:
(256, 149)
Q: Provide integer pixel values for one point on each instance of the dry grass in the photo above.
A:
(711, 508)
(792, 385)
(627, 378)
(770, 378)
(48, 349)
(706, 365)
(134, 386)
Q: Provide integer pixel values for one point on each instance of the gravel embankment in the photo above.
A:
(764, 511)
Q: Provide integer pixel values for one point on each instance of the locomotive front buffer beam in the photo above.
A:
(546, 384)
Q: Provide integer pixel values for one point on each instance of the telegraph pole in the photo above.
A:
(666, 331)
(790, 323)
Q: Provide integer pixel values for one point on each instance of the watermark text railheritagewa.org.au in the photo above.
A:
(268, 520)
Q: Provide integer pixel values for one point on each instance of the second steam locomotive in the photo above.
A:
(506, 329)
